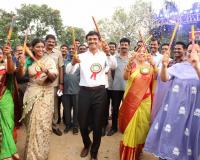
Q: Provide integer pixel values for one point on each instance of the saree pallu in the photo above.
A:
(38, 110)
(38, 114)
(7, 143)
(134, 115)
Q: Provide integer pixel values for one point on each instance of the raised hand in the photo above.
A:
(165, 60)
(21, 60)
(150, 59)
(194, 59)
(75, 60)
(105, 47)
(7, 50)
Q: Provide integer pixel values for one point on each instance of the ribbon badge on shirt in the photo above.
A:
(95, 69)
(38, 71)
(144, 70)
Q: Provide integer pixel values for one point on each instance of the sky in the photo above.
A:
(79, 12)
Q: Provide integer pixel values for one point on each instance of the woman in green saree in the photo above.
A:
(8, 150)
(38, 109)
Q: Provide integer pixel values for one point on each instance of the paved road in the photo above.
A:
(68, 147)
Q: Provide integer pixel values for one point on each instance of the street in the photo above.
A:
(68, 146)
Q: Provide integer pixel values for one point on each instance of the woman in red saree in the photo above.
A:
(134, 114)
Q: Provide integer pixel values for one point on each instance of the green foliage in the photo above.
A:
(5, 22)
(40, 19)
(127, 23)
(67, 38)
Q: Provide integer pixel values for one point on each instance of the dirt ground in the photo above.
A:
(68, 147)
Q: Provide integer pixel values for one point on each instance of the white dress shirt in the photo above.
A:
(158, 59)
(93, 68)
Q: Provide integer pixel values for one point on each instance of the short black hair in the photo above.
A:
(50, 36)
(36, 41)
(91, 33)
(164, 44)
(125, 40)
(140, 41)
(182, 44)
(77, 40)
(64, 45)
(82, 45)
(155, 39)
(113, 43)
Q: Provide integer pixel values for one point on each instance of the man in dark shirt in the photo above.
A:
(179, 53)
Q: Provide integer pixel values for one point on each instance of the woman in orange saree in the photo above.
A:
(135, 111)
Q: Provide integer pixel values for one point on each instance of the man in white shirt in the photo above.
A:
(154, 45)
(92, 96)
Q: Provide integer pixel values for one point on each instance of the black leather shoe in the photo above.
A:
(85, 150)
(111, 132)
(67, 129)
(57, 132)
(75, 131)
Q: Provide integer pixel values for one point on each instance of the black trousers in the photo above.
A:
(59, 107)
(70, 102)
(108, 101)
(91, 108)
(117, 98)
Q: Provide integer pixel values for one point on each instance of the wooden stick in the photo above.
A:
(147, 40)
(11, 29)
(173, 36)
(74, 43)
(193, 37)
(25, 40)
(28, 51)
(96, 26)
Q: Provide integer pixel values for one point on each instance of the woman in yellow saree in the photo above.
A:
(134, 114)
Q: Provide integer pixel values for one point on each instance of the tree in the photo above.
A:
(128, 23)
(5, 22)
(66, 36)
(39, 19)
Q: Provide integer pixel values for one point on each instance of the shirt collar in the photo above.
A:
(156, 54)
(90, 53)
(51, 52)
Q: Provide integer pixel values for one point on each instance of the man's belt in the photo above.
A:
(93, 88)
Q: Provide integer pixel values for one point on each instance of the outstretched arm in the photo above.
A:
(195, 61)
(164, 73)
(10, 64)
